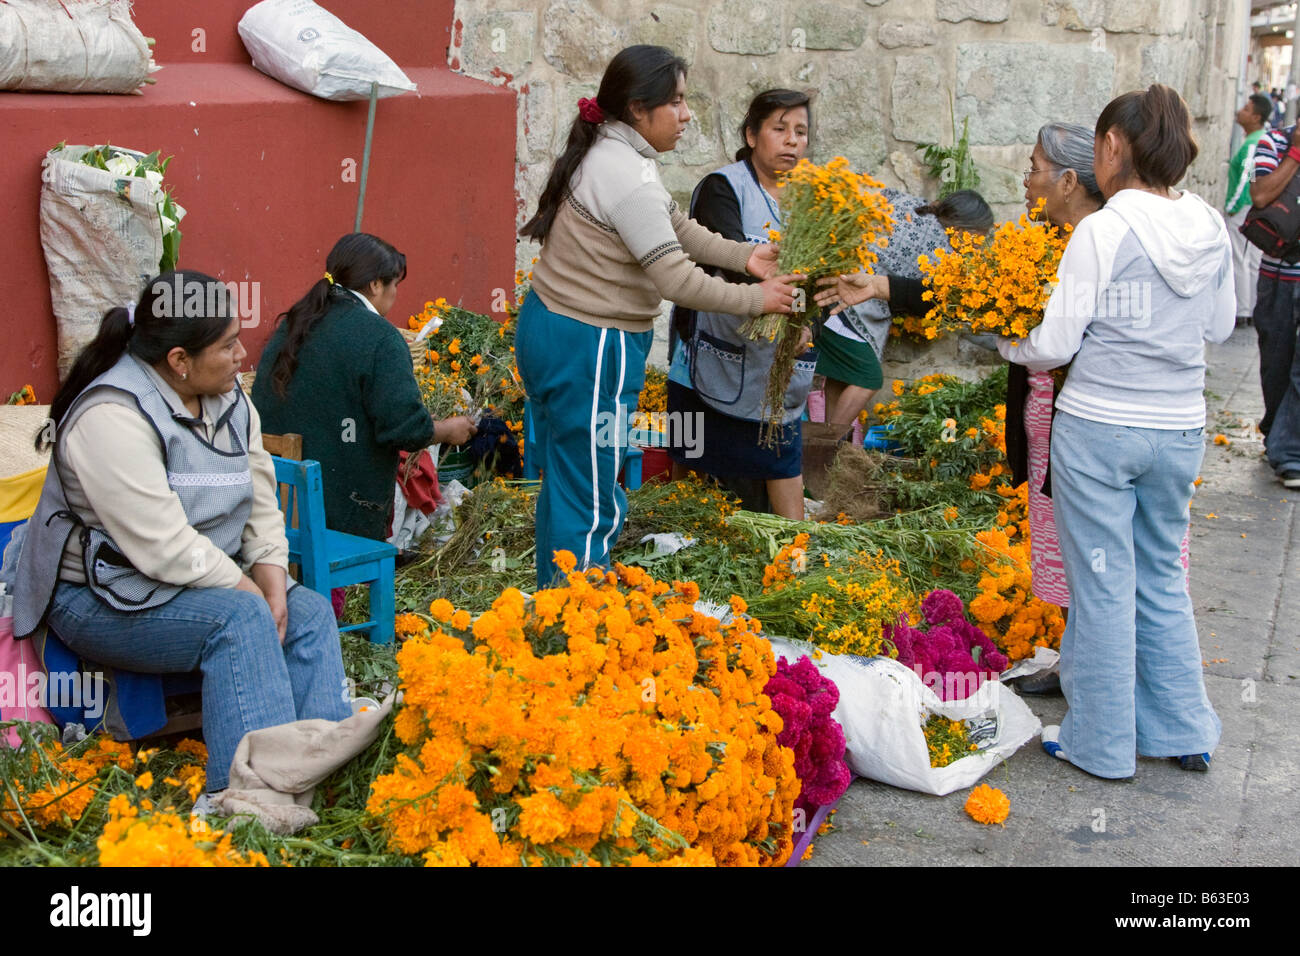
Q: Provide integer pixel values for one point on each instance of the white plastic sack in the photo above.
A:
(102, 239)
(305, 46)
(74, 46)
(883, 706)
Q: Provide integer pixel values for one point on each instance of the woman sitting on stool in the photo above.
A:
(158, 544)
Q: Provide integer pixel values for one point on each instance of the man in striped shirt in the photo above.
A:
(1277, 159)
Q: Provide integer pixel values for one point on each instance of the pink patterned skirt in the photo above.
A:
(1045, 561)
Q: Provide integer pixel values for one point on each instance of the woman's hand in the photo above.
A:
(762, 261)
(851, 289)
(271, 581)
(454, 431)
(779, 293)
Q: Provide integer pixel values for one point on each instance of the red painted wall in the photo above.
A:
(259, 167)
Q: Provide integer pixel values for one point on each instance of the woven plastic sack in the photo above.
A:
(102, 240)
(305, 46)
(73, 46)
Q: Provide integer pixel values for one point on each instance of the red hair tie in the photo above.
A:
(590, 111)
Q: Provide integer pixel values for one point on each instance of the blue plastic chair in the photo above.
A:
(331, 559)
(631, 473)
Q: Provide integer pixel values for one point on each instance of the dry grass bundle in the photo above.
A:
(857, 485)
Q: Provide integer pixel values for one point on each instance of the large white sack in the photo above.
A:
(883, 706)
(77, 46)
(305, 46)
(102, 240)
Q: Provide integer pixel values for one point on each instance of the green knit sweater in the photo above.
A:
(354, 400)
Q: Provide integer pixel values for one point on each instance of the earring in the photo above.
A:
(184, 375)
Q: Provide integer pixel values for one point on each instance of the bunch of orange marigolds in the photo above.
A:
(996, 284)
(601, 722)
(1006, 608)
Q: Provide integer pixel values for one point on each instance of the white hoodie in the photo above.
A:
(1144, 282)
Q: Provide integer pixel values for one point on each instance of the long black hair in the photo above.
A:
(764, 105)
(965, 210)
(188, 310)
(355, 261)
(646, 75)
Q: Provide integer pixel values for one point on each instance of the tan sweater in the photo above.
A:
(620, 245)
(115, 478)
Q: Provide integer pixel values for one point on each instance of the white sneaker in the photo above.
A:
(203, 806)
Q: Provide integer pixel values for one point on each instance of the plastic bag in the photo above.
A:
(102, 238)
(883, 706)
(305, 46)
(74, 46)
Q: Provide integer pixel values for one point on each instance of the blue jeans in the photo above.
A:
(1275, 318)
(582, 383)
(249, 680)
(1130, 656)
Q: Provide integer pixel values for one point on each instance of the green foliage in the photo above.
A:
(953, 165)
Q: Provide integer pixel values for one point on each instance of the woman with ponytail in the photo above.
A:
(336, 372)
(615, 245)
(158, 544)
(1143, 284)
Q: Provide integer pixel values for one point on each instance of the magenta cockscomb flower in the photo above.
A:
(805, 699)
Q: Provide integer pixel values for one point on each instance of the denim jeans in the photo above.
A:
(1130, 656)
(249, 680)
(1275, 317)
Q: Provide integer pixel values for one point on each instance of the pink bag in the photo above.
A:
(18, 691)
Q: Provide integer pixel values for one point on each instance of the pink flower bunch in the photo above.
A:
(952, 656)
(805, 699)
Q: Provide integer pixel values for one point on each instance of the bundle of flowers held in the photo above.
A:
(996, 284)
(833, 220)
(805, 700)
(469, 366)
(601, 722)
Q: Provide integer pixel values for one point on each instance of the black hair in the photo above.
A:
(356, 260)
(1158, 129)
(187, 310)
(764, 105)
(964, 210)
(646, 75)
(1261, 105)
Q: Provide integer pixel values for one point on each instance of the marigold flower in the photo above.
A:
(988, 805)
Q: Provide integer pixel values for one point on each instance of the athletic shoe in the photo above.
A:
(1197, 762)
(1289, 478)
(1051, 738)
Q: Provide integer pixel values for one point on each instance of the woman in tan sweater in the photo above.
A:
(615, 245)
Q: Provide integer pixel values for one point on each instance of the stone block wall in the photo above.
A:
(885, 73)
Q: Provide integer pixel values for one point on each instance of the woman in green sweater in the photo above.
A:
(337, 373)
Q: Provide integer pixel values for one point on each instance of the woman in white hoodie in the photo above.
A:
(1142, 285)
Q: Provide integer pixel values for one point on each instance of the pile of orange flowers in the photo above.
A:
(137, 834)
(1006, 608)
(602, 722)
(68, 781)
(843, 609)
(1000, 284)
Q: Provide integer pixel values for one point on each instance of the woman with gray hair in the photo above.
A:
(1060, 177)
